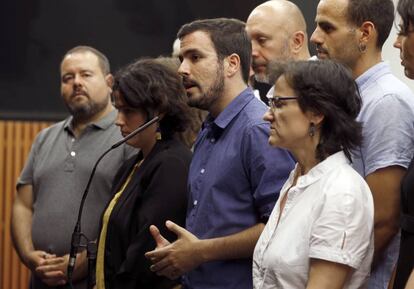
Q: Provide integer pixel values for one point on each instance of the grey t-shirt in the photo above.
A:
(58, 167)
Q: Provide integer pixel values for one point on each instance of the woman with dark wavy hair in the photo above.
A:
(405, 265)
(320, 232)
(151, 186)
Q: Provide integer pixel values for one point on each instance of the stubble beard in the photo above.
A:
(284, 56)
(214, 92)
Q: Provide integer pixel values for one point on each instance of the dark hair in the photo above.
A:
(406, 10)
(327, 88)
(228, 36)
(102, 59)
(379, 12)
(153, 87)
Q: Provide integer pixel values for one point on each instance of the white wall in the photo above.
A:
(392, 55)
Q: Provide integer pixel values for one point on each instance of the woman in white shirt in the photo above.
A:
(320, 233)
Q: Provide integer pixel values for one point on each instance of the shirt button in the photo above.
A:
(213, 140)
(73, 139)
(202, 171)
(73, 154)
(195, 203)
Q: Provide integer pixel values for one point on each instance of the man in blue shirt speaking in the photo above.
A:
(235, 176)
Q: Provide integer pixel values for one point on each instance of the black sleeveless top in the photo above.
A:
(406, 257)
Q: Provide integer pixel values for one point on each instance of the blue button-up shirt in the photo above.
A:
(234, 181)
(387, 116)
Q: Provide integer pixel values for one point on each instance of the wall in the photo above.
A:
(15, 141)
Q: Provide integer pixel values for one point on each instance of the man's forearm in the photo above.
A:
(239, 245)
(21, 232)
(383, 235)
(385, 187)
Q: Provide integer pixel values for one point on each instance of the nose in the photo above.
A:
(77, 79)
(315, 37)
(269, 116)
(255, 50)
(120, 119)
(397, 42)
(184, 68)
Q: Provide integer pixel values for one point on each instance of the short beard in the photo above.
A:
(215, 92)
(263, 77)
(86, 111)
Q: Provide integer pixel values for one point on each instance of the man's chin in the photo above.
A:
(261, 77)
(197, 102)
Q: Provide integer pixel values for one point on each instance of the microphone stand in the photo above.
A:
(77, 232)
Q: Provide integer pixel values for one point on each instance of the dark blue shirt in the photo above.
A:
(234, 181)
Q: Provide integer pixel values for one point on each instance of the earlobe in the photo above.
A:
(316, 118)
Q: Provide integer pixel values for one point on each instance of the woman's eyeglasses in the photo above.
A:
(277, 101)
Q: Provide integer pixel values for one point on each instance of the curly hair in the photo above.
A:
(327, 88)
(196, 115)
(153, 87)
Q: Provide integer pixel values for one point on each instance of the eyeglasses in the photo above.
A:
(277, 101)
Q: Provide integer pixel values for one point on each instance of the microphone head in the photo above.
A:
(136, 131)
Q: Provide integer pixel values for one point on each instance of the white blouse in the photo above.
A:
(328, 215)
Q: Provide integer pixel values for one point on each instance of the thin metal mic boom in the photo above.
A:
(76, 236)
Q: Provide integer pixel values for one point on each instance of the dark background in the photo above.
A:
(36, 33)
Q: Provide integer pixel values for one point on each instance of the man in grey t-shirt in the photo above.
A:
(52, 182)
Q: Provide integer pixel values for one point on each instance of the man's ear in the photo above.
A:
(109, 79)
(231, 65)
(296, 41)
(367, 33)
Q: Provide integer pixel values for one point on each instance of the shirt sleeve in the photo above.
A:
(26, 176)
(388, 134)
(343, 227)
(269, 168)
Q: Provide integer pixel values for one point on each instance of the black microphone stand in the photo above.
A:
(77, 234)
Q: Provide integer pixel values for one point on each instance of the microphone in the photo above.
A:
(77, 234)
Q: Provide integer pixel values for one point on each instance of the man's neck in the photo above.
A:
(230, 92)
(366, 62)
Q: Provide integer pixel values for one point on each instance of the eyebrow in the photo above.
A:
(259, 33)
(190, 51)
(81, 71)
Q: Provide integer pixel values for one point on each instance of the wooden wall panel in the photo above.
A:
(16, 138)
